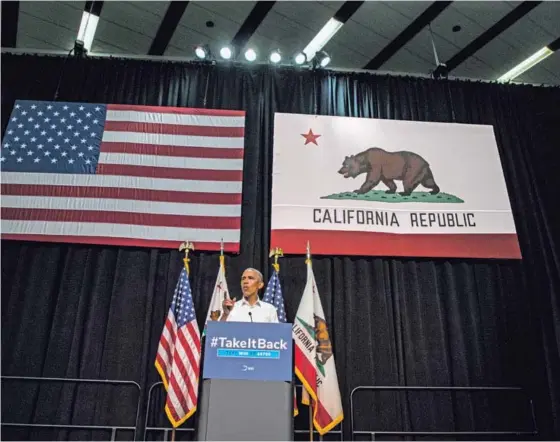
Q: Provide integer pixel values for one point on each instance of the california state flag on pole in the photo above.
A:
(314, 359)
(220, 293)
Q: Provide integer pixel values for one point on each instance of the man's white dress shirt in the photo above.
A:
(260, 311)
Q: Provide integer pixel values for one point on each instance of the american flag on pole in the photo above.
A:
(178, 355)
(273, 295)
(122, 175)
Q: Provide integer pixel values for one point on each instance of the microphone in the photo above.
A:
(251, 316)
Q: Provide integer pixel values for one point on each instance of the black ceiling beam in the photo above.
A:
(250, 25)
(10, 16)
(347, 10)
(167, 27)
(555, 45)
(488, 35)
(408, 34)
(94, 7)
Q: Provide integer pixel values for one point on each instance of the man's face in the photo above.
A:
(250, 282)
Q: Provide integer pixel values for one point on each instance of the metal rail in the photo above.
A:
(113, 428)
(165, 430)
(373, 433)
(445, 433)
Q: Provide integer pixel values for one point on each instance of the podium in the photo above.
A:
(247, 390)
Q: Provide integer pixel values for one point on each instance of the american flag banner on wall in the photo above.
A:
(122, 175)
(178, 354)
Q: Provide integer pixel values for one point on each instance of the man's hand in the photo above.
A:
(227, 305)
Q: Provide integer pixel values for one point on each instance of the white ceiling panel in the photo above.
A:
(375, 25)
(547, 16)
(473, 17)
(354, 44)
(408, 61)
(154, 8)
(235, 11)
(471, 68)
(126, 28)
(417, 55)
(527, 34)
(388, 19)
(474, 68)
(408, 9)
(138, 20)
(107, 48)
(192, 29)
(27, 41)
(510, 48)
(45, 31)
(485, 13)
(65, 14)
(49, 25)
(367, 32)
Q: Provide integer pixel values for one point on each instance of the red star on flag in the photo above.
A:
(310, 137)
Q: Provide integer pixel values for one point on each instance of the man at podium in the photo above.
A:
(249, 308)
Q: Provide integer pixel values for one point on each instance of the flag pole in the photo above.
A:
(186, 246)
(310, 420)
(310, 401)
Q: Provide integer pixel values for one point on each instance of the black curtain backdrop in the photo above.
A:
(98, 311)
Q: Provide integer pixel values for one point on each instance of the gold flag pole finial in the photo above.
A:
(222, 259)
(277, 252)
(186, 246)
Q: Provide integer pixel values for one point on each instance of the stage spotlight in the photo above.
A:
(440, 72)
(275, 56)
(79, 49)
(250, 55)
(322, 59)
(202, 51)
(226, 52)
(300, 58)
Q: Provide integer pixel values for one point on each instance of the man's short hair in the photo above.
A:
(261, 279)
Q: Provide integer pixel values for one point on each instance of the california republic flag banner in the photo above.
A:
(382, 187)
(221, 292)
(314, 359)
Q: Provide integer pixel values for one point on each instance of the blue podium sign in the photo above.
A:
(248, 350)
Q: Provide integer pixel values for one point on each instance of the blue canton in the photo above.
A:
(273, 295)
(53, 137)
(183, 305)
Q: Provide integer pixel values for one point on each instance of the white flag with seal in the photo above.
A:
(220, 293)
(314, 358)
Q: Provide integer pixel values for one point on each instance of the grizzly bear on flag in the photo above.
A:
(385, 167)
